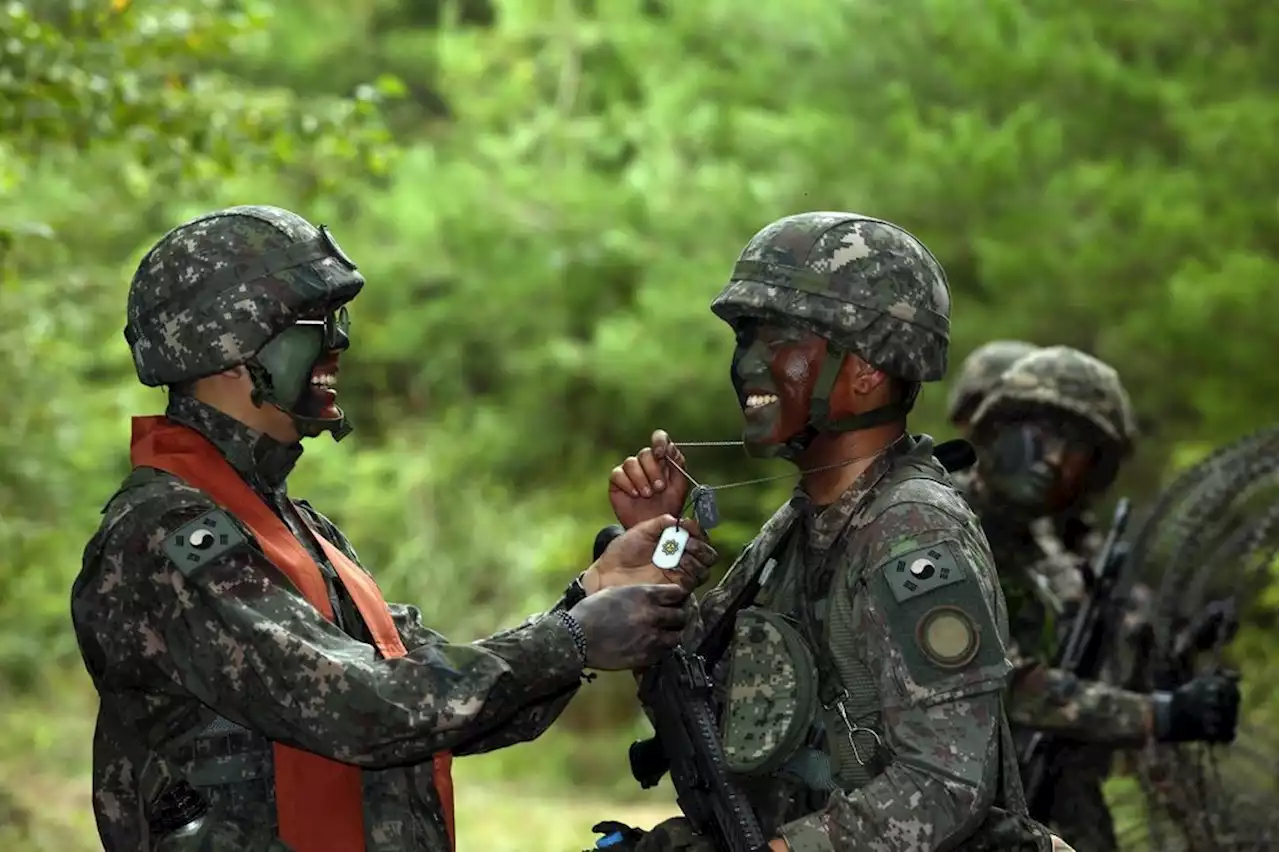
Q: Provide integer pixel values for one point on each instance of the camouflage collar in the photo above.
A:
(264, 462)
(825, 524)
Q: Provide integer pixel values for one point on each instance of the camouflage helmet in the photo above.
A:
(214, 290)
(979, 373)
(1066, 379)
(864, 284)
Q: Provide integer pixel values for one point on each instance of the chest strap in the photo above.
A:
(850, 696)
(319, 802)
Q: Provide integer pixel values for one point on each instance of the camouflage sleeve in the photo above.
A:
(232, 632)
(1063, 580)
(407, 617)
(928, 620)
(1057, 702)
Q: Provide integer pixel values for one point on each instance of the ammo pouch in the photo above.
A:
(221, 754)
(772, 693)
(806, 710)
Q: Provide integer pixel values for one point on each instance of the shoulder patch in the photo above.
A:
(202, 540)
(923, 570)
(937, 615)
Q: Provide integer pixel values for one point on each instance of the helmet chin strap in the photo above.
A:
(820, 419)
(308, 427)
(311, 427)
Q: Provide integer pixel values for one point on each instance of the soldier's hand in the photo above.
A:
(630, 627)
(647, 484)
(618, 836)
(628, 560)
(1204, 709)
(674, 835)
(671, 835)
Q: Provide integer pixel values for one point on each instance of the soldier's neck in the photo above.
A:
(261, 460)
(832, 448)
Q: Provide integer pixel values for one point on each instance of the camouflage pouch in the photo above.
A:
(1006, 831)
(772, 693)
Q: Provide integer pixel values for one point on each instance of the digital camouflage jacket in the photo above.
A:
(1037, 561)
(913, 632)
(199, 671)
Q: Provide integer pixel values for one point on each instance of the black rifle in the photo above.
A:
(677, 690)
(1082, 655)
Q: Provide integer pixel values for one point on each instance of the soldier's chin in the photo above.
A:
(759, 448)
(313, 420)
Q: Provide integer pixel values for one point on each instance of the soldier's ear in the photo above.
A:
(863, 378)
(855, 380)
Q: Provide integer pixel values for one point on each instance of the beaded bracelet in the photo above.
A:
(575, 630)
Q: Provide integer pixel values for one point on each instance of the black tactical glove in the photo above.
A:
(1203, 710)
(672, 835)
(618, 836)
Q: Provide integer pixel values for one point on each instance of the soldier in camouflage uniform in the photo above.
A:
(862, 694)
(979, 374)
(256, 691)
(1067, 541)
(1051, 434)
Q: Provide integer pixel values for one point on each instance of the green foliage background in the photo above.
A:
(544, 196)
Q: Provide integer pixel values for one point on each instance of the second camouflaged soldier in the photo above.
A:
(257, 693)
(1068, 540)
(1051, 435)
(979, 373)
(1059, 573)
(862, 694)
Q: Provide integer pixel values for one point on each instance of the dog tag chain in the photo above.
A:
(706, 510)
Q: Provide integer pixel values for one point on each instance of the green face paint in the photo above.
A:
(760, 421)
(774, 401)
(286, 366)
(289, 359)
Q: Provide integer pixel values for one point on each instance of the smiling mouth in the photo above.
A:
(759, 400)
(323, 393)
(325, 381)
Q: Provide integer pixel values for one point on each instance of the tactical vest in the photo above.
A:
(802, 706)
(318, 802)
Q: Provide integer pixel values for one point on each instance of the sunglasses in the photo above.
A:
(335, 328)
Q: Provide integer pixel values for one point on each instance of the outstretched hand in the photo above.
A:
(648, 484)
(629, 627)
(628, 559)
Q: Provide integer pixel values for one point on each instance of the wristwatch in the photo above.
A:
(575, 593)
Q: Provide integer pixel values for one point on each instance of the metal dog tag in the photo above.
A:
(670, 548)
(705, 510)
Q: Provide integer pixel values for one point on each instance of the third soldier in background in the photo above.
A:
(1051, 433)
(979, 374)
(862, 694)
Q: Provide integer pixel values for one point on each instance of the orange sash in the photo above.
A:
(319, 802)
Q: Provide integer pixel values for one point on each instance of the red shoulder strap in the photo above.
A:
(319, 802)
